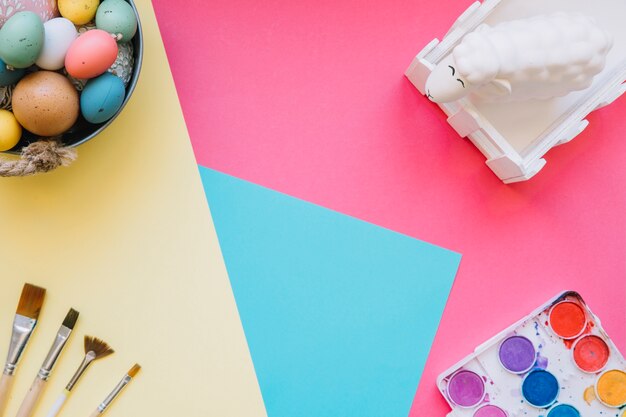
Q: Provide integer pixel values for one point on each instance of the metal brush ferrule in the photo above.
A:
(109, 399)
(22, 329)
(89, 357)
(53, 354)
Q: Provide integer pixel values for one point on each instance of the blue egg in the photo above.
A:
(102, 97)
(7, 76)
(540, 388)
(564, 410)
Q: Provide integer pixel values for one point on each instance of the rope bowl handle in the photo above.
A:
(38, 157)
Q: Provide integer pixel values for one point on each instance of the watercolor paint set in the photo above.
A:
(556, 362)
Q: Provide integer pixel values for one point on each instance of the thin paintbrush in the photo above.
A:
(35, 391)
(23, 325)
(94, 350)
(109, 399)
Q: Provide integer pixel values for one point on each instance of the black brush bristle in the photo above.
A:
(97, 346)
(70, 318)
(31, 301)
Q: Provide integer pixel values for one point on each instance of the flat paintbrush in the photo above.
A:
(94, 349)
(118, 388)
(35, 391)
(23, 325)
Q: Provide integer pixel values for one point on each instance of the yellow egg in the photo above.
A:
(10, 130)
(78, 11)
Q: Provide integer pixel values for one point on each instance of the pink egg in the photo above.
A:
(91, 54)
(46, 9)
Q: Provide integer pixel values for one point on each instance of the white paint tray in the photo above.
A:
(514, 137)
(553, 353)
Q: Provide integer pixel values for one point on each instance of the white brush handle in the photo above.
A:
(96, 413)
(58, 404)
(6, 382)
(31, 399)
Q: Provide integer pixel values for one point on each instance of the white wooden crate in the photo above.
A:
(514, 137)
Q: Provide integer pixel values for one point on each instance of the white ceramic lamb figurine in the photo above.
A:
(540, 57)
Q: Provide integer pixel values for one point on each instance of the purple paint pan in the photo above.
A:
(466, 389)
(517, 354)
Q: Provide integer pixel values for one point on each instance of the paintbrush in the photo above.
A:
(35, 391)
(94, 349)
(23, 325)
(109, 399)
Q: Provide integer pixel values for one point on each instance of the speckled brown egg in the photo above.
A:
(45, 103)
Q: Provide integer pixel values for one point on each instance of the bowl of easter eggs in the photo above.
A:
(67, 68)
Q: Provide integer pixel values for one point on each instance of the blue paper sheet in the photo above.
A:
(339, 314)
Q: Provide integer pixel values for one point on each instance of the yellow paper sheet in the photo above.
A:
(125, 236)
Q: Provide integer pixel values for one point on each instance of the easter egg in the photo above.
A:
(101, 98)
(91, 54)
(59, 34)
(123, 65)
(45, 103)
(118, 18)
(9, 76)
(78, 11)
(21, 39)
(45, 9)
(10, 130)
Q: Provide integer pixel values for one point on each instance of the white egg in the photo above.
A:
(59, 35)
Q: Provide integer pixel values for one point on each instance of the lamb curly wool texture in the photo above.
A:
(535, 58)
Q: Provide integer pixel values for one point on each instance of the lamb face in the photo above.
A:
(445, 83)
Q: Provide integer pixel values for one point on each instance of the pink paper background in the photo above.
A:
(309, 98)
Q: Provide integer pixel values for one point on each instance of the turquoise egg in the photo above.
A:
(118, 18)
(102, 98)
(21, 39)
(9, 77)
